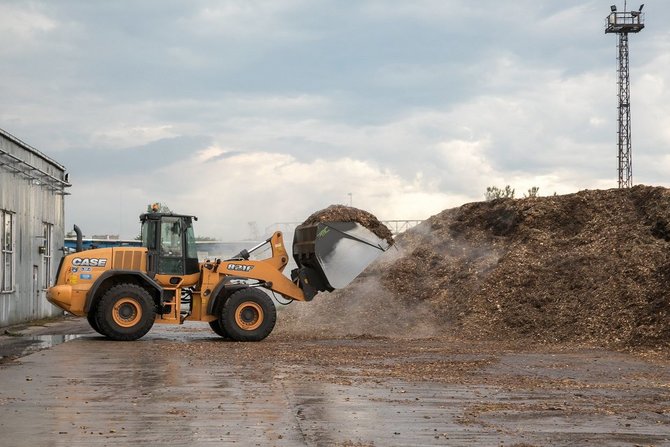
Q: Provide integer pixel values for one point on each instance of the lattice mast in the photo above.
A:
(623, 23)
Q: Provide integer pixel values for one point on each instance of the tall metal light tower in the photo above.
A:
(623, 23)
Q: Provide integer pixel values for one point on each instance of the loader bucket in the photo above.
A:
(330, 255)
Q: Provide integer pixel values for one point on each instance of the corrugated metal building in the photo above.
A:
(32, 190)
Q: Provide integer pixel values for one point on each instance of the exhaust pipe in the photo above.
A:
(80, 245)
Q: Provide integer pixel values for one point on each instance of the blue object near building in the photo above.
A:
(88, 243)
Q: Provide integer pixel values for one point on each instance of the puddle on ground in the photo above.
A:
(48, 341)
(21, 346)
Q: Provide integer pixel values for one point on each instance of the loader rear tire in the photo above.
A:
(125, 312)
(248, 315)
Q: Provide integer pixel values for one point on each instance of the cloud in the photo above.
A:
(129, 134)
(21, 27)
(262, 187)
(247, 20)
(119, 165)
(267, 110)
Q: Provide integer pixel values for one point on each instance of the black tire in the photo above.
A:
(125, 312)
(218, 329)
(216, 324)
(93, 322)
(248, 315)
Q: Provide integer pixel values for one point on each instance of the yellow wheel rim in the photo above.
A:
(127, 312)
(249, 315)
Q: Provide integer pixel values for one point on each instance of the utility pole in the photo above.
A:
(623, 23)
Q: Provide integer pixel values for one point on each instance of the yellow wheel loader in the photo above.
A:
(123, 291)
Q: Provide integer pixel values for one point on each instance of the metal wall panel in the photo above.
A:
(33, 203)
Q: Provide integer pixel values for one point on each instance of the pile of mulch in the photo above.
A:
(341, 213)
(587, 267)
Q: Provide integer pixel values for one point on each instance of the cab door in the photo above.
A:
(171, 251)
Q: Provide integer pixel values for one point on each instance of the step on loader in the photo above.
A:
(124, 291)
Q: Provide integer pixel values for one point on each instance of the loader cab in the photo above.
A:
(170, 243)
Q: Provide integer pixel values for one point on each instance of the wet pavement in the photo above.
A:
(19, 341)
(62, 384)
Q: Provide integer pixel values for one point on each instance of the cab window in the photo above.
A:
(149, 234)
(171, 240)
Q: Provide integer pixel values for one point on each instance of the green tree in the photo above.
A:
(493, 193)
(532, 192)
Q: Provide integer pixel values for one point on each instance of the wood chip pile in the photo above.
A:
(587, 267)
(341, 213)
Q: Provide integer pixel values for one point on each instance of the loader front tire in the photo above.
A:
(125, 312)
(216, 324)
(248, 315)
(93, 322)
(218, 329)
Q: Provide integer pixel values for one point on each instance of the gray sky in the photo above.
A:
(265, 111)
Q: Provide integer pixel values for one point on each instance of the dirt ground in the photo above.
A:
(61, 384)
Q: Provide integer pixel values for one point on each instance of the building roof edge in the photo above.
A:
(29, 148)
